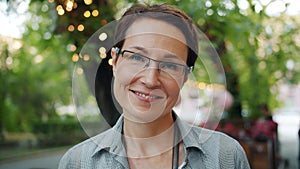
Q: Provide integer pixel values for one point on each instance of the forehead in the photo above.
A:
(149, 26)
(156, 34)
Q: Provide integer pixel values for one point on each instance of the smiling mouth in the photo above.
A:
(147, 96)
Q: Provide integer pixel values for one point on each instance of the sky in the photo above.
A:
(12, 24)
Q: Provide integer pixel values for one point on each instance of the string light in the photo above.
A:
(95, 12)
(102, 55)
(80, 27)
(88, 2)
(75, 57)
(110, 61)
(102, 50)
(71, 28)
(87, 14)
(102, 36)
(69, 5)
(60, 10)
(59, 7)
(86, 57)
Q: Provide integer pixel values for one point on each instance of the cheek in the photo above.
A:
(123, 75)
(122, 80)
(173, 89)
(175, 85)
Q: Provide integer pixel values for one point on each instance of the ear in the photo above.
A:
(114, 57)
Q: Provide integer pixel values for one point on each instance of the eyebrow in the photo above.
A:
(140, 48)
(146, 52)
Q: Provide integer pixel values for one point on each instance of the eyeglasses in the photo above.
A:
(139, 62)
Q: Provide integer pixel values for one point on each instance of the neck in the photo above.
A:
(149, 139)
(150, 129)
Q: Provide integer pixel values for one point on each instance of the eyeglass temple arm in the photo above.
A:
(118, 51)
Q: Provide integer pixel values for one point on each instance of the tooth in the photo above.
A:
(144, 95)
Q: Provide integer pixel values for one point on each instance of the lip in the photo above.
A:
(146, 97)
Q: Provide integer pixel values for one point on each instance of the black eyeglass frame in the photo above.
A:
(186, 69)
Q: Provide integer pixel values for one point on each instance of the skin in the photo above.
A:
(147, 97)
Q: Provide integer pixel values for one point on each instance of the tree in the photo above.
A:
(37, 76)
(253, 47)
(239, 35)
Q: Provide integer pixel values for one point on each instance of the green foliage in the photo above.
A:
(38, 76)
(58, 132)
(254, 49)
(91, 24)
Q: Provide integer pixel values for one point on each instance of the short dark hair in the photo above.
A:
(162, 12)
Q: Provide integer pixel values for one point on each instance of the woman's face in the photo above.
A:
(144, 92)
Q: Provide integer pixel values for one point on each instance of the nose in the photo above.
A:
(151, 77)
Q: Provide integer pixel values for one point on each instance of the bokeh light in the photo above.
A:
(103, 36)
(75, 57)
(60, 10)
(87, 14)
(102, 50)
(71, 28)
(110, 61)
(95, 13)
(86, 57)
(88, 2)
(69, 5)
(80, 27)
(103, 55)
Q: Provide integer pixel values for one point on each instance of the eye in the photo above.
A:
(169, 66)
(137, 57)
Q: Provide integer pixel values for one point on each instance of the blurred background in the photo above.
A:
(258, 42)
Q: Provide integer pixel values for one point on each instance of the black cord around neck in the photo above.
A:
(175, 150)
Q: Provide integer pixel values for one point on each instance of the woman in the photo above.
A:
(156, 48)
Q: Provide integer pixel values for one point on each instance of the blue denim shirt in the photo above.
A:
(204, 149)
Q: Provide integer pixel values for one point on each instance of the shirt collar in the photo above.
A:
(191, 137)
(113, 141)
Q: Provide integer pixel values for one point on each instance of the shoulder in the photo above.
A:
(91, 143)
(82, 152)
(214, 149)
(214, 139)
(217, 145)
(219, 142)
